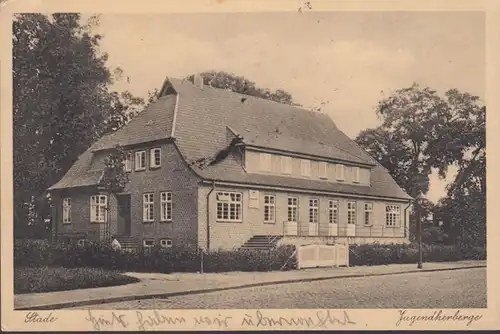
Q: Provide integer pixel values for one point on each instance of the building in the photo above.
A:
(214, 169)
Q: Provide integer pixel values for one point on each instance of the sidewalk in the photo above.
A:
(164, 285)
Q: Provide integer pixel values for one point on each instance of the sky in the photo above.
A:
(347, 61)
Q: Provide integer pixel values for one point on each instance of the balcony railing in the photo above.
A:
(306, 229)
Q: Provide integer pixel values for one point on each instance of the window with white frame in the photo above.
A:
(166, 243)
(66, 204)
(98, 205)
(155, 158)
(305, 167)
(229, 206)
(286, 165)
(322, 170)
(166, 206)
(269, 208)
(355, 176)
(148, 244)
(140, 160)
(127, 164)
(265, 162)
(292, 209)
(340, 172)
(148, 207)
(333, 211)
(392, 215)
(351, 212)
(313, 210)
(368, 214)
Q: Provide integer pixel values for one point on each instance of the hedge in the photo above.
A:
(162, 260)
(376, 254)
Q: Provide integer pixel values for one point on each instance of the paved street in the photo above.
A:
(464, 288)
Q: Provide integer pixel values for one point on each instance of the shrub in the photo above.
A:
(408, 253)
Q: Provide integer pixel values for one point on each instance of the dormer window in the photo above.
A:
(322, 170)
(155, 158)
(355, 176)
(286, 165)
(305, 167)
(140, 160)
(127, 164)
(265, 162)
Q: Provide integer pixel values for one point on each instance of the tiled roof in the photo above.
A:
(203, 116)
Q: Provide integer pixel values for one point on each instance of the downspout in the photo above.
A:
(406, 222)
(208, 214)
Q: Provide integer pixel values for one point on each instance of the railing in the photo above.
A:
(306, 229)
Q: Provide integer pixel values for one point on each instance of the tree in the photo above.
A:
(242, 85)
(61, 103)
(114, 180)
(422, 131)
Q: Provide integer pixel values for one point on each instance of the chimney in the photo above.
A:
(198, 81)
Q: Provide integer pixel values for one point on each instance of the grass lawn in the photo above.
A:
(45, 279)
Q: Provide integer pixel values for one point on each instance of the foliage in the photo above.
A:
(46, 279)
(421, 132)
(369, 255)
(61, 104)
(163, 260)
(242, 85)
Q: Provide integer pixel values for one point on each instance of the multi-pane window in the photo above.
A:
(305, 167)
(368, 213)
(333, 212)
(155, 157)
(66, 210)
(392, 215)
(351, 212)
(269, 208)
(140, 160)
(292, 209)
(229, 206)
(286, 165)
(313, 210)
(355, 171)
(265, 162)
(166, 243)
(148, 207)
(166, 206)
(322, 169)
(340, 172)
(98, 205)
(148, 244)
(127, 164)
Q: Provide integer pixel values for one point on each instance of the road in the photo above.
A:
(464, 288)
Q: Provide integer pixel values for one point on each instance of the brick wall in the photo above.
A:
(227, 235)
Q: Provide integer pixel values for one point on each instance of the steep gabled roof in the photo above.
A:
(201, 118)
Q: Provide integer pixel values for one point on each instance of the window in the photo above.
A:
(253, 199)
(155, 158)
(265, 162)
(355, 171)
(98, 205)
(82, 242)
(166, 206)
(351, 212)
(292, 209)
(305, 167)
(140, 160)
(229, 206)
(148, 244)
(166, 243)
(340, 172)
(368, 213)
(269, 208)
(313, 210)
(127, 164)
(333, 212)
(286, 165)
(67, 210)
(322, 168)
(392, 215)
(148, 208)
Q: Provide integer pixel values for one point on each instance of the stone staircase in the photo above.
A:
(128, 242)
(262, 242)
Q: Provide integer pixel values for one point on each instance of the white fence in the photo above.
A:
(312, 256)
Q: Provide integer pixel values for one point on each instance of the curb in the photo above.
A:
(236, 287)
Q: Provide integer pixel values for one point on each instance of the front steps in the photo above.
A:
(128, 242)
(261, 242)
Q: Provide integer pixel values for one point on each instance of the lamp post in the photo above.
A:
(420, 197)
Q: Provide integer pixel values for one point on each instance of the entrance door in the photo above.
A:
(124, 227)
